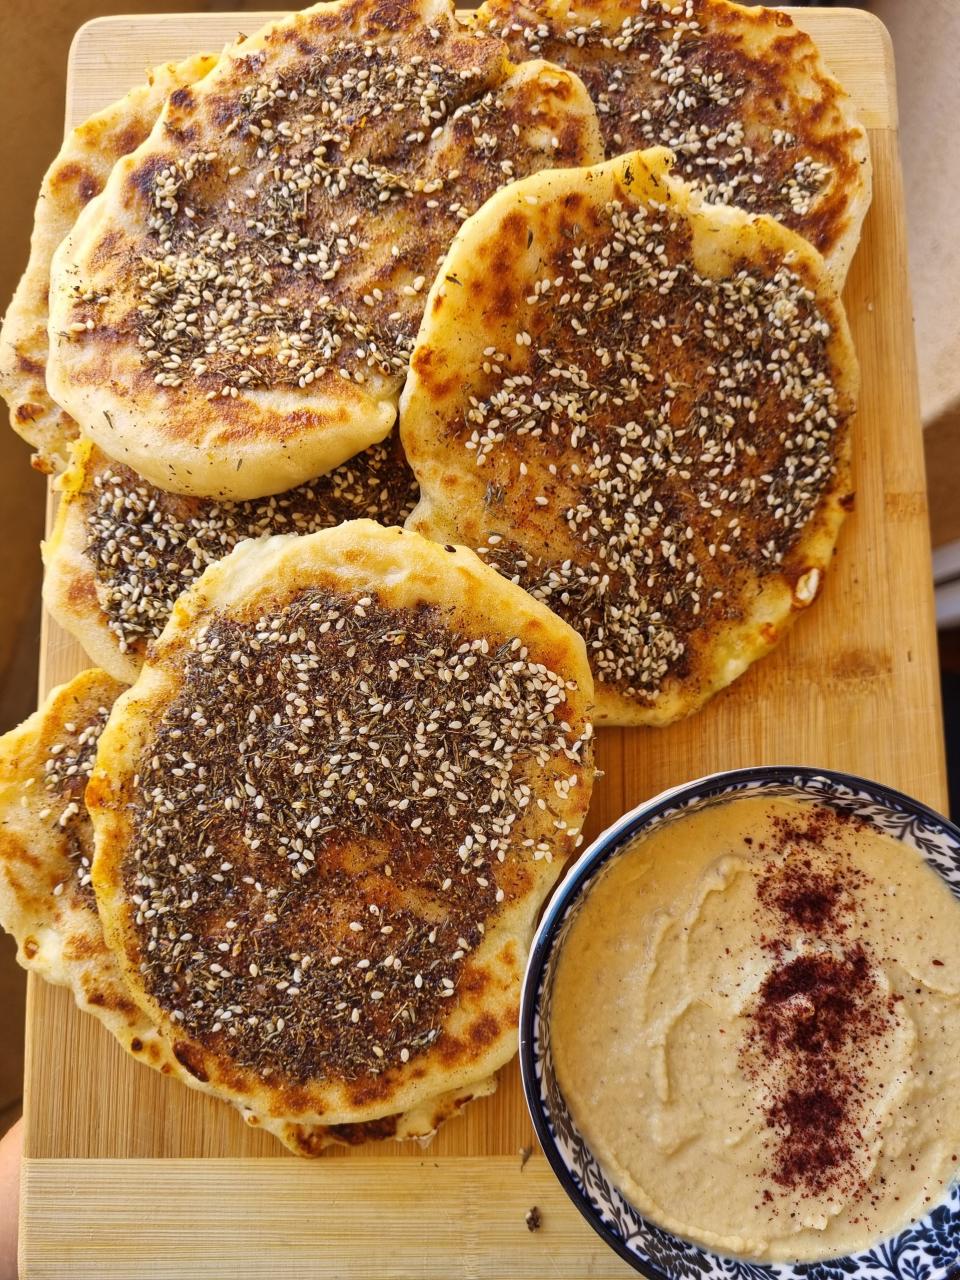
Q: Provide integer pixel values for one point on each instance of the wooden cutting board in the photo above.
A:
(129, 1175)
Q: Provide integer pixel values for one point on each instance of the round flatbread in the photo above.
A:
(234, 314)
(79, 173)
(328, 812)
(740, 95)
(638, 406)
(122, 550)
(48, 906)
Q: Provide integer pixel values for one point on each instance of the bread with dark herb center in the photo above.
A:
(235, 314)
(327, 814)
(740, 95)
(637, 406)
(78, 173)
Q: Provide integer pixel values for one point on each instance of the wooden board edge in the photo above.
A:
(29, 1072)
(90, 31)
(451, 1218)
(884, 44)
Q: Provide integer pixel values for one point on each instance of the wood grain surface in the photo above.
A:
(131, 1175)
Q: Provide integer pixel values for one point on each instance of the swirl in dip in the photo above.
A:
(756, 1026)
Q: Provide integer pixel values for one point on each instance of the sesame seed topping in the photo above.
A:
(355, 781)
(676, 456)
(296, 247)
(146, 546)
(668, 74)
(66, 771)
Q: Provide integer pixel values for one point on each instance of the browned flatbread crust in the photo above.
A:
(343, 937)
(740, 95)
(79, 173)
(46, 846)
(234, 314)
(48, 906)
(637, 405)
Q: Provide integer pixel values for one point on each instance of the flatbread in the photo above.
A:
(79, 172)
(637, 406)
(122, 550)
(234, 315)
(740, 95)
(328, 812)
(48, 906)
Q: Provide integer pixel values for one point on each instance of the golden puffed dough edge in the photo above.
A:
(813, 69)
(195, 461)
(186, 451)
(724, 239)
(404, 570)
(56, 933)
(198, 467)
(84, 160)
(59, 937)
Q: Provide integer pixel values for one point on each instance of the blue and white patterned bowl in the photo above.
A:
(926, 1250)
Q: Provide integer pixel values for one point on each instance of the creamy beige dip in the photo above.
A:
(756, 1025)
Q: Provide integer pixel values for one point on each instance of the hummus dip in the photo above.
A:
(756, 1025)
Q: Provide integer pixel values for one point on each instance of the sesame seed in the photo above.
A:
(66, 772)
(146, 546)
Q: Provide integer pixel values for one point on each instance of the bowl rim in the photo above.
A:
(587, 864)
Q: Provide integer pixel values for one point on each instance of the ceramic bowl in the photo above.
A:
(928, 1249)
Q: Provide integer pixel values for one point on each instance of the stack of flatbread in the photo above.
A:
(418, 391)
